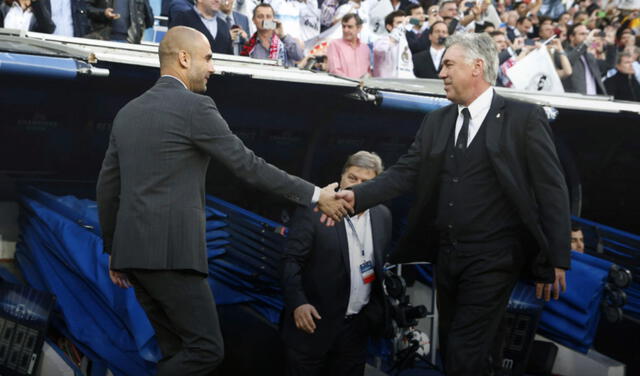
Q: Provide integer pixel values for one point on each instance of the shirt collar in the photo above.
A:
(480, 105)
(175, 78)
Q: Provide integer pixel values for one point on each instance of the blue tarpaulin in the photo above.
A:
(60, 251)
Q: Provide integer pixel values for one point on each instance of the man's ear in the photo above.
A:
(478, 68)
(184, 59)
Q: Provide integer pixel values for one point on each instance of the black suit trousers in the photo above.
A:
(346, 356)
(182, 311)
(473, 292)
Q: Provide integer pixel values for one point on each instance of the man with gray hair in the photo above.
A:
(492, 205)
(332, 283)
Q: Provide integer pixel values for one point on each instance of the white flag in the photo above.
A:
(536, 72)
(629, 4)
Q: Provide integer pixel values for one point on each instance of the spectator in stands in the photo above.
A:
(426, 64)
(70, 17)
(500, 39)
(586, 76)
(270, 43)
(27, 15)
(348, 56)
(301, 18)
(580, 18)
(556, 50)
(391, 54)
(511, 20)
(117, 20)
(624, 85)
(564, 19)
(238, 24)
(577, 239)
(523, 29)
(458, 21)
(362, 10)
(331, 306)
(204, 18)
(417, 34)
(173, 7)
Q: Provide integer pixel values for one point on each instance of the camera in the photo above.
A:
(414, 21)
(409, 343)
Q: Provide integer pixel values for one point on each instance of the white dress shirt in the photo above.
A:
(61, 16)
(16, 18)
(478, 110)
(436, 56)
(359, 292)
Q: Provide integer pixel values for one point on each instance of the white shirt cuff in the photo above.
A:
(316, 196)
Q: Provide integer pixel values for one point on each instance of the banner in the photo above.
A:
(629, 4)
(536, 72)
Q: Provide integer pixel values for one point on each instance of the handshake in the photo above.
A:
(335, 205)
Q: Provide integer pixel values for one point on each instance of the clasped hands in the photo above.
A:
(335, 205)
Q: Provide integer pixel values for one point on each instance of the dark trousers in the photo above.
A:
(473, 291)
(182, 311)
(346, 355)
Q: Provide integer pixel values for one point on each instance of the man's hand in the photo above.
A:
(349, 197)
(110, 14)
(545, 289)
(118, 278)
(304, 315)
(279, 29)
(331, 205)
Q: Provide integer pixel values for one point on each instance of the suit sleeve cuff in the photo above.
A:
(316, 195)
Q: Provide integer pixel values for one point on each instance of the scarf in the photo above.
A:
(276, 48)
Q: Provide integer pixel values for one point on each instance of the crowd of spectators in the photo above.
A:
(593, 44)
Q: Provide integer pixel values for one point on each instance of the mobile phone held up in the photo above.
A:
(269, 24)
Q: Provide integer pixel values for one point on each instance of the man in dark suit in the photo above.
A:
(150, 196)
(329, 306)
(238, 24)
(424, 65)
(491, 202)
(203, 17)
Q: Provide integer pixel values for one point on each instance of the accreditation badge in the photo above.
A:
(366, 270)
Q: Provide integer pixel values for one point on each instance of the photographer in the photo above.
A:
(270, 41)
(332, 283)
(391, 54)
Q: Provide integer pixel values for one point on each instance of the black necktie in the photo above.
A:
(229, 21)
(463, 136)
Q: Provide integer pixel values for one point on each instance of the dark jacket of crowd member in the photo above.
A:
(134, 17)
(41, 21)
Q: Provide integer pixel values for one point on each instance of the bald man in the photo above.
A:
(151, 201)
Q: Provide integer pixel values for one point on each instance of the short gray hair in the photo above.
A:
(365, 159)
(478, 46)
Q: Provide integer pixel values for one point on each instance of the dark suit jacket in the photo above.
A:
(423, 66)
(151, 187)
(418, 43)
(41, 21)
(220, 44)
(521, 150)
(576, 82)
(315, 270)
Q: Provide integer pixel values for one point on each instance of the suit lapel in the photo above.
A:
(343, 245)
(376, 234)
(494, 122)
(448, 122)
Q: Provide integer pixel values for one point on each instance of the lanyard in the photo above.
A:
(355, 233)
